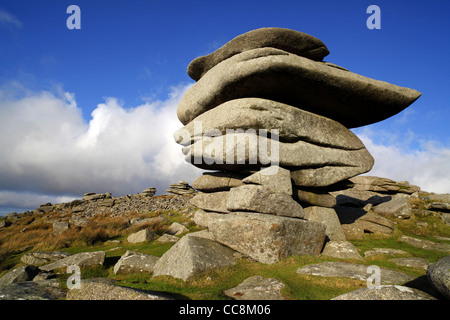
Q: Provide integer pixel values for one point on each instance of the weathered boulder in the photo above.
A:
(167, 238)
(315, 198)
(177, 229)
(281, 76)
(191, 256)
(273, 178)
(396, 208)
(218, 181)
(267, 238)
(425, 244)
(105, 289)
(356, 221)
(83, 259)
(205, 218)
(32, 290)
(24, 273)
(215, 201)
(257, 198)
(329, 218)
(257, 288)
(141, 236)
(341, 250)
(292, 124)
(39, 258)
(310, 165)
(288, 40)
(353, 271)
(384, 251)
(132, 262)
(412, 262)
(438, 274)
(386, 292)
(439, 206)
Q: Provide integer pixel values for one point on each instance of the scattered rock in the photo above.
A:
(101, 289)
(25, 273)
(40, 258)
(425, 244)
(167, 238)
(438, 274)
(32, 290)
(386, 292)
(176, 229)
(132, 262)
(341, 250)
(193, 255)
(353, 271)
(141, 236)
(384, 251)
(83, 259)
(412, 262)
(257, 288)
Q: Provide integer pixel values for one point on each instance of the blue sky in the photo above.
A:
(94, 109)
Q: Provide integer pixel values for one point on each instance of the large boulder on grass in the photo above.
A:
(192, 255)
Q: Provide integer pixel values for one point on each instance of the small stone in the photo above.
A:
(257, 288)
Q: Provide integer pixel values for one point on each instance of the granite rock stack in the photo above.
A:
(272, 120)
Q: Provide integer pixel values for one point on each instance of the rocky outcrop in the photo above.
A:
(276, 122)
(181, 187)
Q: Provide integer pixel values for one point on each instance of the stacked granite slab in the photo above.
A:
(269, 93)
(182, 187)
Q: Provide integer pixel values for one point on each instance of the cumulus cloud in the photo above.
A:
(49, 150)
(427, 166)
(9, 19)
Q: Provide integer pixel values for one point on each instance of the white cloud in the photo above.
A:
(50, 151)
(8, 18)
(428, 166)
